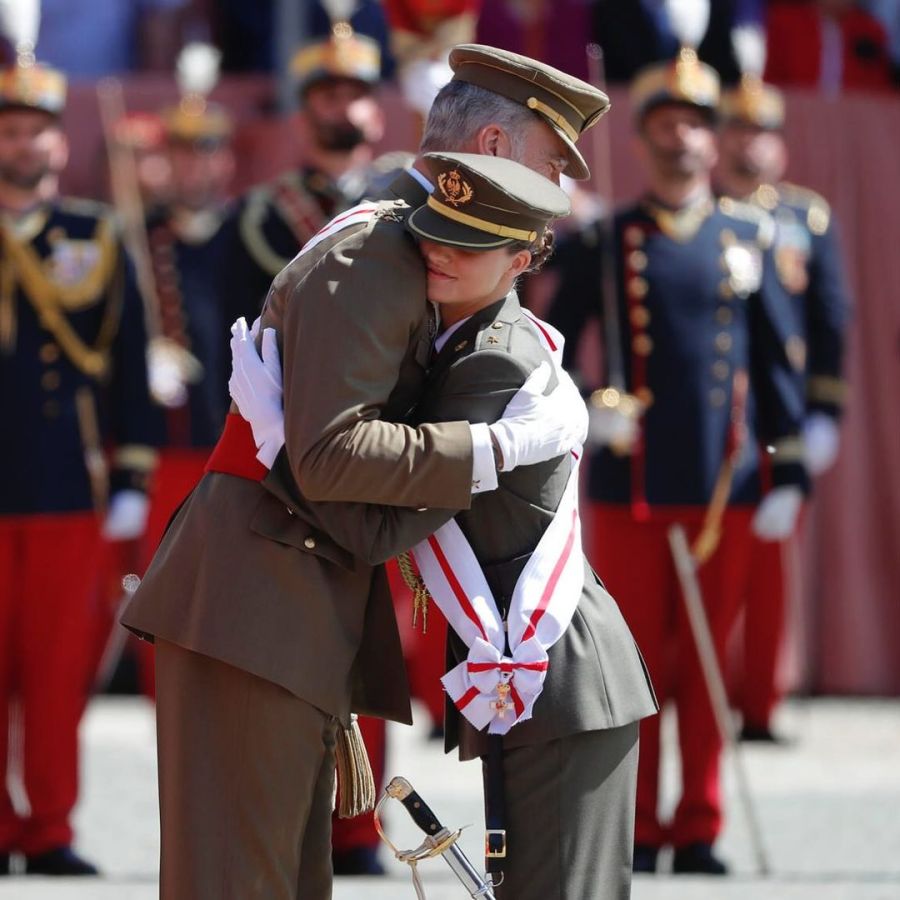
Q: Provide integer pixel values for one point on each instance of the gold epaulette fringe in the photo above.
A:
(420, 592)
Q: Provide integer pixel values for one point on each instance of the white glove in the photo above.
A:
(127, 516)
(256, 387)
(776, 516)
(534, 427)
(165, 376)
(610, 427)
(821, 439)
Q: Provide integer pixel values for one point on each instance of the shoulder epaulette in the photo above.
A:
(747, 212)
(496, 335)
(818, 212)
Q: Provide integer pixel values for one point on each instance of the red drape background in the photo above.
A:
(849, 150)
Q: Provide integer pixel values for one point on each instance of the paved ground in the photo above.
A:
(829, 805)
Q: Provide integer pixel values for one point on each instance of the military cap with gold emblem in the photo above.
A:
(27, 84)
(752, 102)
(755, 103)
(485, 202)
(684, 80)
(568, 105)
(344, 54)
(195, 119)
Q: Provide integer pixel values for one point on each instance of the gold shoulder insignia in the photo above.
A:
(818, 212)
(747, 212)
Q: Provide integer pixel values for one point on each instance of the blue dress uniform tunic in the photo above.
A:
(71, 326)
(694, 308)
(698, 303)
(73, 384)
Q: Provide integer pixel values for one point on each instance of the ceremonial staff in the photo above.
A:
(170, 366)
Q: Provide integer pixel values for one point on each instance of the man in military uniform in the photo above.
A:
(753, 158)
(338, 120)
(298, 626)
(693, 337)
(189, 239)
(72, 381)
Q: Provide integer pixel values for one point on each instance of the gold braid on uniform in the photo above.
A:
(357, 786)
(415, 583)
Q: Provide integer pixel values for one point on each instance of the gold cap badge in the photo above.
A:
(455, 190)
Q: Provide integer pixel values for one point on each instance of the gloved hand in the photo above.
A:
(776, 516)
(256, 387)
(126, 518)
(165, 376)
(608, 426)
(534, 427)
(822, 440)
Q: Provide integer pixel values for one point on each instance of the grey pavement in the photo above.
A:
(829, 805)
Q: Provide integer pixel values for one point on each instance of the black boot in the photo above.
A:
(644, 859)
(4, 864)
(697, 859)
(58, 861)
(762, 734)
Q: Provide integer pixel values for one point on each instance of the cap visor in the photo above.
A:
(577, 168)
(431, 225)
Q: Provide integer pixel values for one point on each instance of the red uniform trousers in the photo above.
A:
(634, 561)
(48, 598)
(758, 690)
(177, 474)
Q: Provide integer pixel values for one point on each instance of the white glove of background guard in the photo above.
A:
(821, 440)
(534, 427)
(256, 386)
(776, 516)
(127, 516)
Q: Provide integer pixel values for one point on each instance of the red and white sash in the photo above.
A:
(359, 214)
(490, 688)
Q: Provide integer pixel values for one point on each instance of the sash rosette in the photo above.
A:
(493, 688)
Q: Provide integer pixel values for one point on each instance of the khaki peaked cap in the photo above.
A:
(568, 105)
(484, 202)
(755, 103)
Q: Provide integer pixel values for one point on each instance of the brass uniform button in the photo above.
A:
(496, 325)
(717, 397)
(637, 259)
(721, 369)
(50, 380)
(642, 344)
(645, 395)
(723, 342)
(640, 316)
(726, 291)
(310, 543)
(724, 316)
(49, 353)
(50, 409)
(637, 288)
(634, 236)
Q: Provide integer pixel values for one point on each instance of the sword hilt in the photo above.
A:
(419, 811)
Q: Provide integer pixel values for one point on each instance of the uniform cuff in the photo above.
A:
(484, 469)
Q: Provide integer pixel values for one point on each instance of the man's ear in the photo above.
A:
(492, 140)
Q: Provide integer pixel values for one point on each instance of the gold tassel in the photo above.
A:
(357, 786)
(420, 592)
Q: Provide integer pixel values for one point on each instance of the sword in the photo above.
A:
(439, 841)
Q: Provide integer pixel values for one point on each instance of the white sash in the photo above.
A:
(357, 215)
(490, 688)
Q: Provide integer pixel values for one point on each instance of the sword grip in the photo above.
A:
(419, 811)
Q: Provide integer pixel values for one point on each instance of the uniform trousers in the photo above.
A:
(759, 689)
(570, 817)
(634, 560)
(48, 605)
(246, 784)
